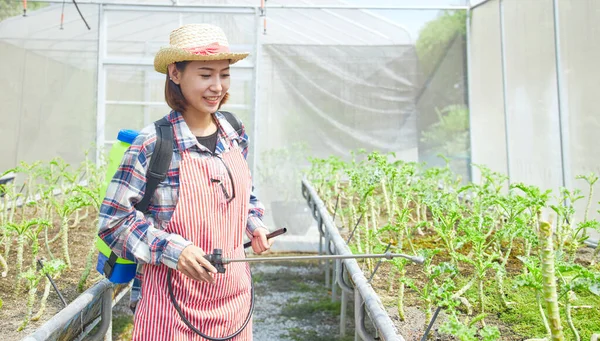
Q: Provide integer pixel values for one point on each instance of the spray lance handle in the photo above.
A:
(216, 259)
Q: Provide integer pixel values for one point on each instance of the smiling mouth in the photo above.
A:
(212, 99)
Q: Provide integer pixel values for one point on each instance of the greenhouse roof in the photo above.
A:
(138, 32)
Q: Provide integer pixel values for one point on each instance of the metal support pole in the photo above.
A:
(563, 113)
(343, 313)
(468, 93)
(256, 121)
(106, 322)
(334, 284)
(327, 262)
(359, 318)
(504, 89)
(346, 291)
(101, 84)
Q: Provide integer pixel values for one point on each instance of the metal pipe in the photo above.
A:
(378, 314)
(385, 8)
(101, 85)
(53, 327)
(256, 104)
(343, 313)
(327, 253)
(471, 165)
(60, 296)
(563, 113)
(504, 88)
(222, 6)
(334, 285)
(387, 255)
(359, 318)
(479, 4)
(106, 316)
(341, 280)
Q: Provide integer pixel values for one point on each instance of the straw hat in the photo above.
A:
(195, 42)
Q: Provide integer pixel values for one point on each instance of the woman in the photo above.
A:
(204, 203)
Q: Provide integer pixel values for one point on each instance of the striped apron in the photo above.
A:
(204, 217)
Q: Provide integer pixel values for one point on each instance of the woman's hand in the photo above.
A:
(193, 264)
(260, 243)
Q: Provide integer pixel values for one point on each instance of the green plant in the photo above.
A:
(450, 134)
(549, 281)
(575, 277)
(33, 278)
(468, 332)
(479, 229)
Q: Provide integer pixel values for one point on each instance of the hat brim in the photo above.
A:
(170, 55)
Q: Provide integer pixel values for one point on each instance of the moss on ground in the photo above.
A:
(522, 319)
(312, 309)
(298, 334)
(122, 328)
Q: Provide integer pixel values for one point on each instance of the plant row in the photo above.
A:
(477, 238)
(38, 211)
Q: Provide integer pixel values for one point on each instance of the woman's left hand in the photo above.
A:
(260, 243)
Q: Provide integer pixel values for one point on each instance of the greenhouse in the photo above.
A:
(434, 164)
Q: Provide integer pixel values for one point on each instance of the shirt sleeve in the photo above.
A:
(256, 210)
(126, 230)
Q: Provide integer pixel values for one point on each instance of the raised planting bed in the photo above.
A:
(46, 214)
(499, 264)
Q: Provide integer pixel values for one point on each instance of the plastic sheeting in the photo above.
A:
(47, 87)
(534, 151)
(325, 81)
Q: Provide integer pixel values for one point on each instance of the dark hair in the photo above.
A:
(173, 94)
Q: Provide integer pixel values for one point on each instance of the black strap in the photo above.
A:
(109, 265)
(159, 162)
(234, 121)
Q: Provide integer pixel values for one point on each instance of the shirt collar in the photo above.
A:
(186, 139)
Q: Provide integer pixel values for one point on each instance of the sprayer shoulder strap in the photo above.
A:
(159, 162)
(234, 121)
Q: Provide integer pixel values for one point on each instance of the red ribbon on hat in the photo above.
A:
(208, 50)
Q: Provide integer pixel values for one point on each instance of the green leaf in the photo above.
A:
(490, 333)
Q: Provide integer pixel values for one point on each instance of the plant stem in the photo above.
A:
(538, 298)
(88, 267)
(20, 247)
(481, 299)
(570, 297)
(47, 243)
(43, 301)
(30, 302)
(428, 313)
(549, 281)
(386, 197)
(65, 240)
(400, 302)
(458, 295)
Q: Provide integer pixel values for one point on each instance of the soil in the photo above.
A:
(14, 307)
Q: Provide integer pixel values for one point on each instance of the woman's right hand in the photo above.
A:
(193, 264)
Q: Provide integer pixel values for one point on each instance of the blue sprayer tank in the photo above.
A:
(124, 270)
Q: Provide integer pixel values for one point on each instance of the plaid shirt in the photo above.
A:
(141, 238)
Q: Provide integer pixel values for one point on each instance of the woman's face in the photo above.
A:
(203, 84)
